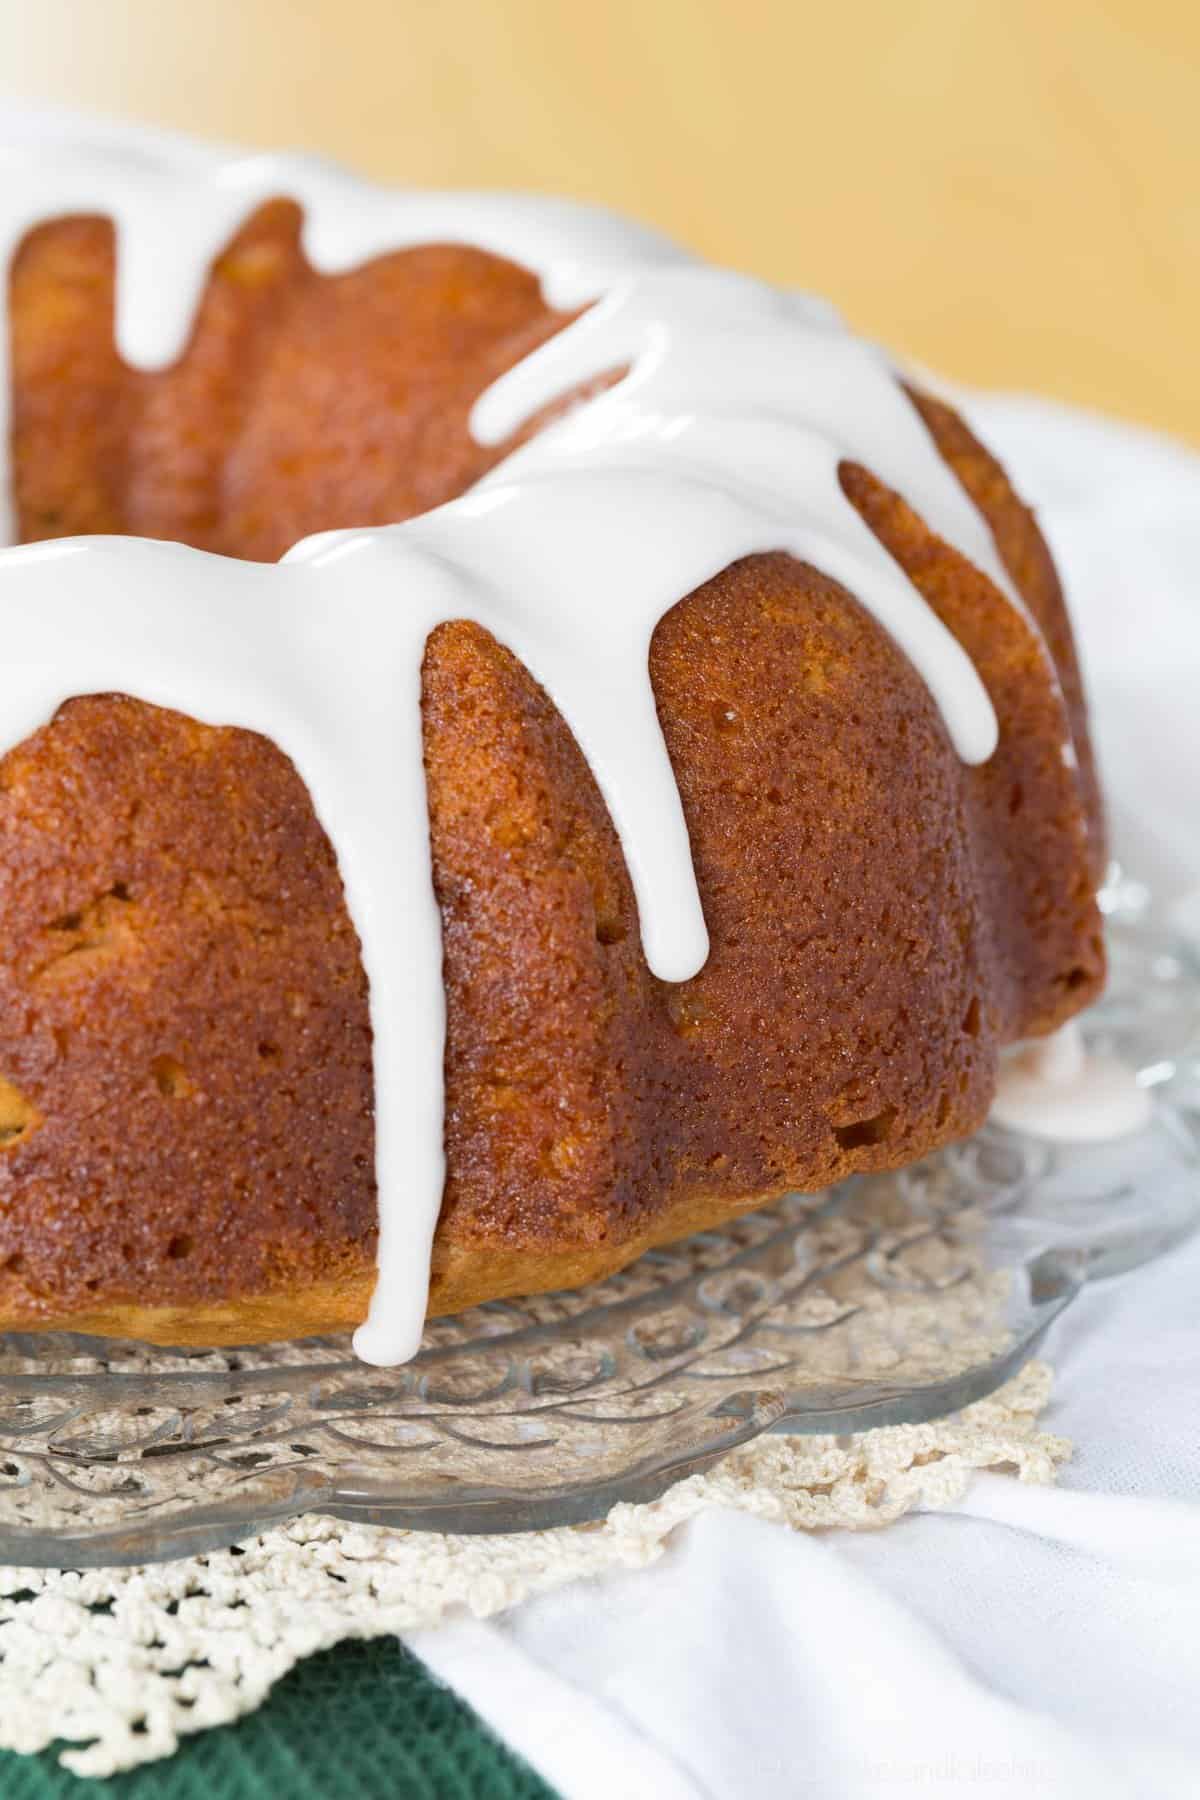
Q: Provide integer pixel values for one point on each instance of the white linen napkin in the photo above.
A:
(1030, 1641)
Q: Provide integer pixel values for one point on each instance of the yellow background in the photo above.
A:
(1007, 190)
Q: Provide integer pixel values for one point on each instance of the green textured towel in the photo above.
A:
(361, 1722)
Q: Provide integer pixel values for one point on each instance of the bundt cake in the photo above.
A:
(518, 746)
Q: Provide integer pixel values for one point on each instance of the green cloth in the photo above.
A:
(361, 1722)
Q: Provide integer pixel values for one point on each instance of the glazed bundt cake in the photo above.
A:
(654, 777)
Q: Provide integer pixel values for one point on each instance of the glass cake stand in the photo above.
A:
(889, 1299)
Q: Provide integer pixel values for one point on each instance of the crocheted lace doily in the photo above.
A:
(121, 1663)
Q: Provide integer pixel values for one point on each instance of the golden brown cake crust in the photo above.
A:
(185, 1060)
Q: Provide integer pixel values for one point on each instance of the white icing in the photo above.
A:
(724, 438)
(1056, 1088)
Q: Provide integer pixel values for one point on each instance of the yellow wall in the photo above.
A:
(1008, 190)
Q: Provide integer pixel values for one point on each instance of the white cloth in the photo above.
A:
(1032, 1641)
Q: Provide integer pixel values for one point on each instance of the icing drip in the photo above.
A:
(723, 439)
(1055, 1088)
